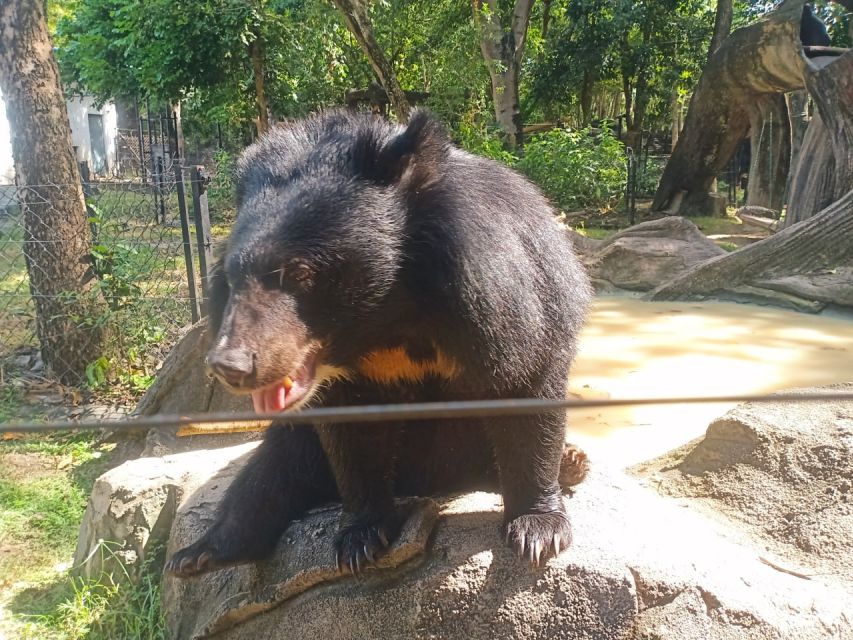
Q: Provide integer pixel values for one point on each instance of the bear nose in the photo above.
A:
(232, 365)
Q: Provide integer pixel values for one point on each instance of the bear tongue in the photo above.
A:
(271, 399)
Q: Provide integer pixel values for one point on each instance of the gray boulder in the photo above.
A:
(648, 254)
(132, 508)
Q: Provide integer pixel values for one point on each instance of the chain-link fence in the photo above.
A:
(96, 294)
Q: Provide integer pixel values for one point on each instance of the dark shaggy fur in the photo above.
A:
(386, 265)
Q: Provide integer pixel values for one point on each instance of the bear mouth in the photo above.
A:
(288, 392)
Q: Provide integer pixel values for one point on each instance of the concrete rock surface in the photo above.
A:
(783, 472)
(752, 540)
(640, 566)
(132, 508)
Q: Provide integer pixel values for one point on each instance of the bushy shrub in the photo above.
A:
(649, 175)
(480, 140)
(577, 169)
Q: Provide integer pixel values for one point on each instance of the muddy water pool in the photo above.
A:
(633, 348)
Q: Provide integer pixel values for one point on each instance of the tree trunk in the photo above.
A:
(722, 25)
(813, 182)
(830, 84)
(503, 50)
(809, 264)
(762, 59)
(179, 130)
(798, 102)
(825, 167)
(56, 233)
(628, 92)
(256, 53)
(641, 94)
(586, 97)
(358, 22)
(770, 139)
(546, 17)
(675, 109)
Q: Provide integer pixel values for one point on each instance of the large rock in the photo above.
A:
(753, 541)
(132, 509)
(183, 387)
(648, 254)
(640, 567)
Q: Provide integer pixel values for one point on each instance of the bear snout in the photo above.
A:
(234, 366)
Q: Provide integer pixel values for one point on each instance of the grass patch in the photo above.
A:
(93, 610)
(713, 226)
(11, 402)
(44, 485)
(596, 233)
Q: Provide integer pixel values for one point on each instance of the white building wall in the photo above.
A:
(78, 114)
(7, 164)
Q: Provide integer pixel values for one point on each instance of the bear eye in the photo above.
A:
(273, 279)
(300, 274)
(296, 275)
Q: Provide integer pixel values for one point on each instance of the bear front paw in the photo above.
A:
(195, 559)
(538, 536)
(358, 545)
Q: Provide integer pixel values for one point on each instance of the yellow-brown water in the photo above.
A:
(632, 348)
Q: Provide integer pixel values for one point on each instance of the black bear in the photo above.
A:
(374, 263)
(812, 30)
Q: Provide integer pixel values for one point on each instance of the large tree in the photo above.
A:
(357, 18)
(754, 64)
(722, 24)
(809, 264)
(502, 37)
(56, 233)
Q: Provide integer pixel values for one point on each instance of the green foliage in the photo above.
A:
(649, 175)
(114, 267)
(159, 48)
(220, 191)
(576, 170)
(598, 48)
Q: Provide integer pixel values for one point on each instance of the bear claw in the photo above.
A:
(194, 560)
(357, 547)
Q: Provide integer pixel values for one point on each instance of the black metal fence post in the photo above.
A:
(631, 187)
(201, 215)
(195, 307)
(88, 192)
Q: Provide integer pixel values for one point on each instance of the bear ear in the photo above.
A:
(414, 157)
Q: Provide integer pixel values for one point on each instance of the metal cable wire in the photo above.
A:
(408, 411)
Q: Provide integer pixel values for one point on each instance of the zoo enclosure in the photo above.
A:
(151, 245)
